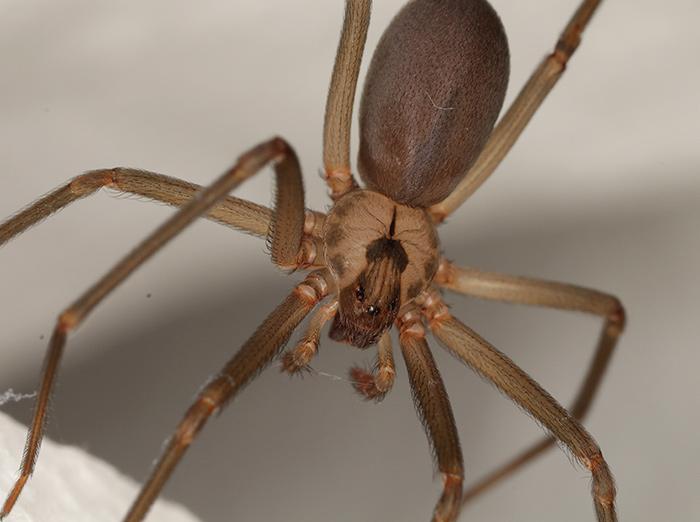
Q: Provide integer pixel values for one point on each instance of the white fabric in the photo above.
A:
(70, 484)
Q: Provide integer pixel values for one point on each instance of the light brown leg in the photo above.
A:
(274, 150)
(254, 355)
(509, 128)
(298, 359)
(341, 95)
(498, 369)
(231, 211)
(375, 384)
(434, 409)
(511, 289)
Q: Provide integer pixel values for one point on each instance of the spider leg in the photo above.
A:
(341, 95)
(234, 212)
(433, 406)
(511, 289)
(251, 162)
(257, 352)
(298, 359)
(519, 114)
(498, 369)
(376, 384)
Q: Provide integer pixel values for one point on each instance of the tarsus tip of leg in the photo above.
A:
(364, 383)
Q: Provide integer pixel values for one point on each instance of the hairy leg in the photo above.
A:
(254, 355)
(498, 369)
(298, 358)
(274, 150)
(433, 406)
(375, 384)
(234, 212)
(521, 290)
(341, 95)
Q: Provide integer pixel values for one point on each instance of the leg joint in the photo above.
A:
(67, 321)
(281, 145)
(595, 461)
(616, 319)
(410, 325)
(92, 180)
(195, 418)
(566, 47)
(314, 288)
(445, 273)
(340, 181)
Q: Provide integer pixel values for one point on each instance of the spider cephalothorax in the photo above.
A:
(382, 255)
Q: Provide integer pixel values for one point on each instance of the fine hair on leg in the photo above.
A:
(276, 150)
(559, 296)
(255, 354)
(495, 367)
(341, 96)
(434, 410)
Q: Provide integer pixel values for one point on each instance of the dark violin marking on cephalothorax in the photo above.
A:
(370, 305)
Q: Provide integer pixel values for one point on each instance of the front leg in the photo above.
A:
(518, 386)
(286, 165)
(560, 296)
(433, 406)
(257, 352)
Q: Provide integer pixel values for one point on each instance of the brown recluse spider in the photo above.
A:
(428, 140)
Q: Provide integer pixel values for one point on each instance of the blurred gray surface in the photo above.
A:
(603, 191)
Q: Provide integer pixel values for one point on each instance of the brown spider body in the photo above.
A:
(432, 95)
(427, 142)
(433, 91)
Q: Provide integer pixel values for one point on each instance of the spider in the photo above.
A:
(428, 140)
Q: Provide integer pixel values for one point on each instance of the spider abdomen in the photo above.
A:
(432, 95)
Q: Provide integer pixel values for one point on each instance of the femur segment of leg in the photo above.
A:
(498, 369)
(512, 124)
(234, 212)
(275, 150)
(257, 353)
(298, 358)
(375, 384)
(434, 410)
(521, 290)
(341, 95)
(287, 226)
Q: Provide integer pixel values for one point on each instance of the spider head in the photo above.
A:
(369, 306)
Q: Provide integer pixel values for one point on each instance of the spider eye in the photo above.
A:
(394, 303)
(360, 293)
(373, 310)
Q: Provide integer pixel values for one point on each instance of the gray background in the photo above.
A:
(602, 190)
